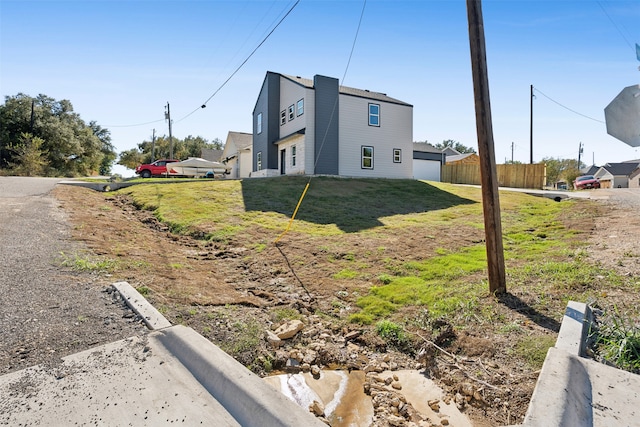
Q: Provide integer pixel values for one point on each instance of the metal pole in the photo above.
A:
(486, 151)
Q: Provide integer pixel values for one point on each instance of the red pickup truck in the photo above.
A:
(157, 168)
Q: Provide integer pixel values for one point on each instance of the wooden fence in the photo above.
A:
(515, 176)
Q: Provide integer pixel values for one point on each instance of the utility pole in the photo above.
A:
(486, 150)
(580, 150)
(531, 127)
(512, 144)
(153, 146)
(167, 116)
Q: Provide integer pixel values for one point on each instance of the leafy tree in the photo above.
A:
(70, 147)
(131, 158)
(29, 157)
(460, 148)
(107, 149)
(560, 169)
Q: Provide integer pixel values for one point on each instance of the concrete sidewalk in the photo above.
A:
(173, 375)
(573, 391)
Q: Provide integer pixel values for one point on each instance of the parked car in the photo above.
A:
(586, 181)
(157, 168)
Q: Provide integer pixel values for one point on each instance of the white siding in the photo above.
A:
(290, 94)
(299, 168)
(428, 170)
(395, 131)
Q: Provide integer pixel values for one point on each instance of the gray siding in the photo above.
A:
(268, 104)
(326, 125)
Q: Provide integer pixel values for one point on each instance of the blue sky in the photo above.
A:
(120, 62)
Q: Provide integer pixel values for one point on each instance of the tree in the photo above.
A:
(107, 148)
(69, 146)
(460, 148)
(29, 157)
(560, 169)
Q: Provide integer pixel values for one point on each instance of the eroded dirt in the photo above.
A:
(213, 287)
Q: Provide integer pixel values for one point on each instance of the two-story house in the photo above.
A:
(317, 127)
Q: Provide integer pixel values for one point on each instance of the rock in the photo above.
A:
(289, 329)
(273, 339)
(315, 371)
(460, 401)
(395, 421)
(434, 405)
(444, 422)
(317, 408)
(352, 335)
(396, 385)
(467, 389)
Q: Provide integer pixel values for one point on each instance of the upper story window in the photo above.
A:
(283, 117)
(259, 123)
(291, 112)
(397, 155)
(259, 161)
(374, 114)
(367, 157)
(293, 155)
(300, 107)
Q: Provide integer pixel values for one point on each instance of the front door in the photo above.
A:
(283, 158)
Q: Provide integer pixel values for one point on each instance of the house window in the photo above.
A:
(291, 110)
(293, 155)
(397, 155)
(367, 157)
(259, 123)
(283, 117)
(374, 114)
(259, 161)
(300, 107)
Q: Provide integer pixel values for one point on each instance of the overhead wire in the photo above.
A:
(335, 104)
(616, 26)
(243, 62)
(565, 107)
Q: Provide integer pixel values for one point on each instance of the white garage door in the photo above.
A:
(429, 170)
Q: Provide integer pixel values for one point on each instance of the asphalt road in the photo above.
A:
(47, 310)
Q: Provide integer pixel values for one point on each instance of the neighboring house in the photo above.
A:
(466, 158)
(591, 170)
(237, 154)
(450, 151)
(317, 127)
(211, 154)
(427, 161)
(616, 175)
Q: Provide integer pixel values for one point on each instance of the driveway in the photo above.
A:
(48, 311)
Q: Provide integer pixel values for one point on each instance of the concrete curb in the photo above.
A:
(573, 391)
(249, 399)
(152, 317)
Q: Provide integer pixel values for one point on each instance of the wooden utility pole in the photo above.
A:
(167, 116)
(153, 146)
(486, 151)
(531, 126)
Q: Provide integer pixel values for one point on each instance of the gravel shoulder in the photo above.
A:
(48, 311)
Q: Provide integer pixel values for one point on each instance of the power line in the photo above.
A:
(615, 25)
(567, 108)
(243, 62)
(353, 45)
(134, 125)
